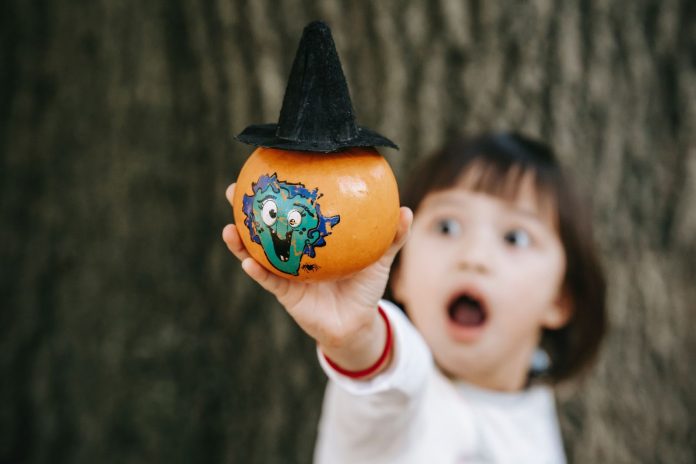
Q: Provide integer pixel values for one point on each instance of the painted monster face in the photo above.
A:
(286, 220)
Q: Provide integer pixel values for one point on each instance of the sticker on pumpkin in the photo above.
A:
(286, 221)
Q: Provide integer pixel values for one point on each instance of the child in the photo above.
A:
(499, 263)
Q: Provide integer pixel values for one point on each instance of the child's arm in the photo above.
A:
(340, 315)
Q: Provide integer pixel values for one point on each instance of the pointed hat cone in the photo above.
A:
(317, 113)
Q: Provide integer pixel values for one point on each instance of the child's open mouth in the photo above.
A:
(467, 311)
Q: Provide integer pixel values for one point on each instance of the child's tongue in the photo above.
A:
(467, 312)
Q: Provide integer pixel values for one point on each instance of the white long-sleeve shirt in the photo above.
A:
(412, 413)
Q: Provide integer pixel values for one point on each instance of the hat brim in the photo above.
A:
(264, 135)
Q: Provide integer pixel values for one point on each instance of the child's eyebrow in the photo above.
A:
(508, 206)
(448, 202)
(524, 211)
(527, 214)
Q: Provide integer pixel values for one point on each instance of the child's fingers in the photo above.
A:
(234, 242)
(269, 281)
(405, 221)
(229, 193)
(230, 234)
(402, 232)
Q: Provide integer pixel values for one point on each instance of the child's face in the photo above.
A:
(480, 277)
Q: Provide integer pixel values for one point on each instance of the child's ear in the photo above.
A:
(559, 313)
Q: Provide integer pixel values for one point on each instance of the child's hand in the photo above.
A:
(340, 315)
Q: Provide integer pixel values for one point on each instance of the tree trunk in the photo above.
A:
(128, 332)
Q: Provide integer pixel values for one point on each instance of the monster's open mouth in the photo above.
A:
(282, 246)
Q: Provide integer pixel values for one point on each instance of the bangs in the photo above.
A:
(508, 181)
(501, 165)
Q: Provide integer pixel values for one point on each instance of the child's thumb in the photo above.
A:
(402, 233)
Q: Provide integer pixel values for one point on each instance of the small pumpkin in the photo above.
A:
(316, 218)
(316, 200)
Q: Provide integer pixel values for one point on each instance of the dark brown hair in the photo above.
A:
(499, 163)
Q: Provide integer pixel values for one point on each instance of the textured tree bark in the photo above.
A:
(129, 334)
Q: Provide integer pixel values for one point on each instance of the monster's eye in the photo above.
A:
(294, 218)
(269, 212)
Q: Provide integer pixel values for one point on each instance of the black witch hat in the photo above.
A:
(317, 113)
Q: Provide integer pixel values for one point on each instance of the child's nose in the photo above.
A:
(473, 255)
(472, 266)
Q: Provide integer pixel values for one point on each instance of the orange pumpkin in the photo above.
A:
(310, 217)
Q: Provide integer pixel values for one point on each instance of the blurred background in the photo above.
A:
(128, 333)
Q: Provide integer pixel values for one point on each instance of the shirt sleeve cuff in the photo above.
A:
(409, 367)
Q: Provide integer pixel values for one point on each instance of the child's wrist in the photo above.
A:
(367, 354)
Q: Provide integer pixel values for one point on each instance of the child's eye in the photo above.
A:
(448, 227)
(518, 238)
